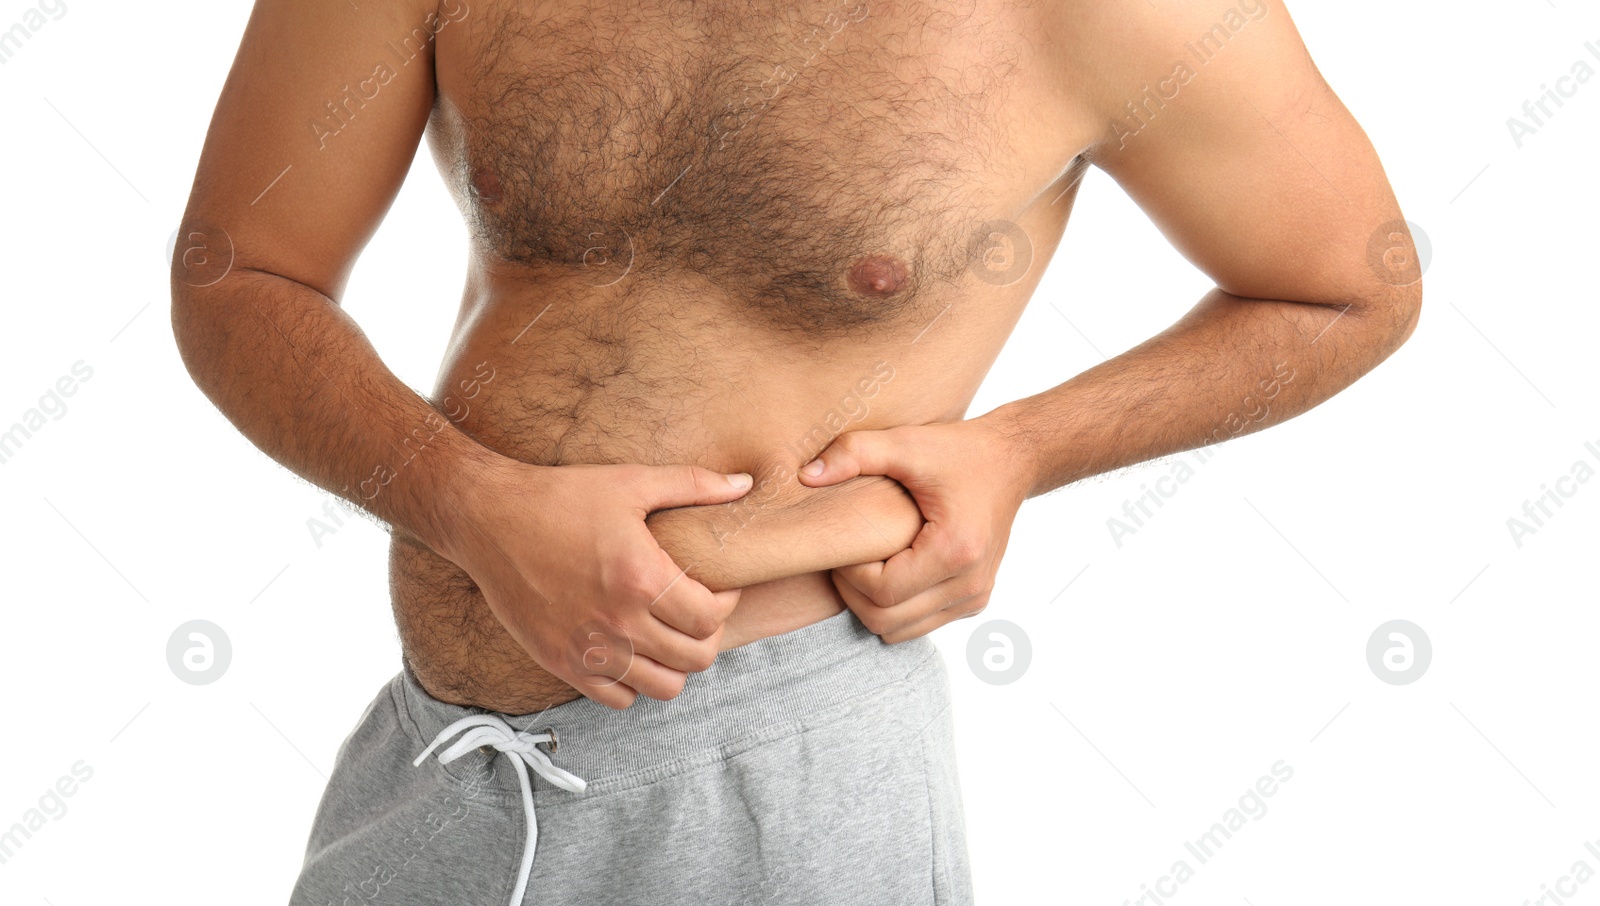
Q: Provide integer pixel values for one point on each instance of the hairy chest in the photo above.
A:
(826, 163)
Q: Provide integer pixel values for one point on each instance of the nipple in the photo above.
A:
(880, 276)
(486, 184)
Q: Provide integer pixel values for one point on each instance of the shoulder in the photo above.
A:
(1126, 62)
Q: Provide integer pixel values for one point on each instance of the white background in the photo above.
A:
(1227, 634)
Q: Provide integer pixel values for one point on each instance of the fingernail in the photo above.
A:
(812, 469)
(739, 480)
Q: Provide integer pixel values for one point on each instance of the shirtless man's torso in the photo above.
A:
(714, 246)
(719, 219)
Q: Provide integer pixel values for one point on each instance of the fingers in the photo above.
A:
(860, 453)
(906, 619)
(884, 620)
(859, 604)
(614, 695)
(929, 561)
(690, 608)
(661, 625)
(638, 675)
(728, 599)
(611, 664)
(918, 630)
(678, 627)
(665, 487)
(598, 659)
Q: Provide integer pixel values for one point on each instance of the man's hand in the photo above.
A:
(962, 476)
(566, 564)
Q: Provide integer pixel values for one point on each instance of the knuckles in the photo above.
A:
(669, 688)
(710, 623)
(876, 621)
(881, 597)
(621, 702)
(702, 659)
(696, 481)
(606, 635)
(975, 587)
(964, 551)
(700, 627)
(631, 476)
(633, 581)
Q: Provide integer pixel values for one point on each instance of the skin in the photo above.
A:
(565, 491)
(1261, 177)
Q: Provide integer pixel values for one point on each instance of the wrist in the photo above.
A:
(465, 490)
(1021, 450)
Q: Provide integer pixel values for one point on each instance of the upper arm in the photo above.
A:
(313, 134)
(1221, 128)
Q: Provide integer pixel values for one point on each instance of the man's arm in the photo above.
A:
(286, 194)
(1257, 173)
(311, 139)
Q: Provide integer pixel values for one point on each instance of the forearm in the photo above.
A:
(783, 529)
(298, 378)
(1231, 366)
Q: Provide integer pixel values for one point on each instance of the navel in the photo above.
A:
(879, 276)
(486, 184)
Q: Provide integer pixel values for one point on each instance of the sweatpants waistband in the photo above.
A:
(755, 692)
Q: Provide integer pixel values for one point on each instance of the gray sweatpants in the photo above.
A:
(814, 767)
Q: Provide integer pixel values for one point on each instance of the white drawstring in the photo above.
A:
(488, 730)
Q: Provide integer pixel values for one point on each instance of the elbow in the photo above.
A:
(1405, 309)
(1389, 318)
(204, 331)
(189, 329)
(200, 258)
(210, 315)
